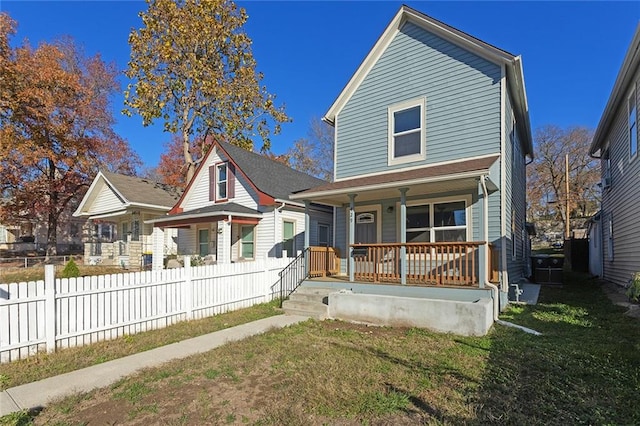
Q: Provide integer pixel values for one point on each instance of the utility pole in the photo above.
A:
(567, 230)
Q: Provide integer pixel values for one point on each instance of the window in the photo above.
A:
(221, 181)
(125, 231)
(633, 128)
(288, 238)
(203, 242)
(247, 242)
(3, 234)
(135, 229)
(606, 170)
(437, 222)
(74, 231)
(323, 235)
(610, 241)
(407, 132)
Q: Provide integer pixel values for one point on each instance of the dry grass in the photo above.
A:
(35, 273)
(582, 370)
(313, 373)
(46, 365)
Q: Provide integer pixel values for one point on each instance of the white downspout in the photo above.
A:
(485, 223)
(275, 224)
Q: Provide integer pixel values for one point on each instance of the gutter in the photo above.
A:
(494, 289)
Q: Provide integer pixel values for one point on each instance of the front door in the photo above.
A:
(366, 230)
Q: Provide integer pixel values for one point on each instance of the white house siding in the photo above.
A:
(621, 201)
(187, 241)
(198, 195)
(106, 201)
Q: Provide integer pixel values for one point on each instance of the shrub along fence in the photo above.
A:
(66, 312)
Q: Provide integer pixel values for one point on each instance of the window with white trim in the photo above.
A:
(407, 131)
(437, 222)
(289, 237)
(633, 124)
(247, 243)
(221, 181)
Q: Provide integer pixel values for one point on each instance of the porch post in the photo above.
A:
(352, 233)
(482, 232)
(223, 243)
(403, 235)
(307, 223)
(157, 253)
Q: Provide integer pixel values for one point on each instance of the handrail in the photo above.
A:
(446, 263)
(293, 275)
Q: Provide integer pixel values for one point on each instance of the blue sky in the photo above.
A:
(308, 50)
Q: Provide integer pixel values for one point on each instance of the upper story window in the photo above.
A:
(633, 124)
(221, 182)
(407, 132)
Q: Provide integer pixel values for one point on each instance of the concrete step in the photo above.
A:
(300, 307)
(304, 297)
(315, 290)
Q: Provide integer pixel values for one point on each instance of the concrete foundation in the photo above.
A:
(467, 318)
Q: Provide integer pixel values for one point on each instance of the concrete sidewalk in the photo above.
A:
(38, 394)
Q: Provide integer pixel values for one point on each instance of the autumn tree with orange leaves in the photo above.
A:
(193, 68)
(55, 128)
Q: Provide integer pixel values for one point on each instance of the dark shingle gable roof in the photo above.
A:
(143, 191)
(269, 176)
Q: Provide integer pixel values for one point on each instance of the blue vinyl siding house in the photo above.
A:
(615, 143)
(432, 137)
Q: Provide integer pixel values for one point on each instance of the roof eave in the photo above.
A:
(515, 78)
(624, 78)
(310, 194)
(171, 218)
(78, 212)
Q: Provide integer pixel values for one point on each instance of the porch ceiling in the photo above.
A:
(436, 179)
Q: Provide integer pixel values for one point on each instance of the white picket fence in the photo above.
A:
(60, 313)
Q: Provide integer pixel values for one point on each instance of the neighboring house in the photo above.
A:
(615, 143)
(29, 236)
(432, 137)
(117, 207)
(237, 208)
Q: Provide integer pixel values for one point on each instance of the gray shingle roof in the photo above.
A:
(217, 208)
(144, 191)
(269, 176)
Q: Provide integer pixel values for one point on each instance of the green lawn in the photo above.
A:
(582, 370)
